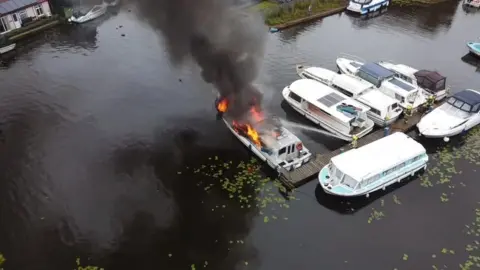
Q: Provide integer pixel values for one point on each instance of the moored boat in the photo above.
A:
(95, 12)
(374, 166)
(472, 3)
(342, 116)
(474, 48)
(460, 113)
(384, 110)
(268, 140)
(5, 45)
(409, 96)
(366, 6)
(431, 82)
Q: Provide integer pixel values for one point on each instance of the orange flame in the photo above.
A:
(257, 115)
(248, 130)
(222, 105)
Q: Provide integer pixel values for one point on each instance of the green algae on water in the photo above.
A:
(2, 260)
(89, 267)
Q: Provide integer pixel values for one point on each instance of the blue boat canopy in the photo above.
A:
(470, 97)
(377, 71)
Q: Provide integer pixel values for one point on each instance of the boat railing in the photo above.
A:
(353, 57)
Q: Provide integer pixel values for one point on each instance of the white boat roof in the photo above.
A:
(406, 70)
(287, 138)
(377, 99)
(324, 97)
(321, 73)
(352, 84)
(378, 156)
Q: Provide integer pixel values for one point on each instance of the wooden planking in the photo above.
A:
(307, 172)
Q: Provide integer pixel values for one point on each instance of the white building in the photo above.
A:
(14, 12)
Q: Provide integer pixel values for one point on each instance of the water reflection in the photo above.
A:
(473, 60)
(363, 21)
(291, 34)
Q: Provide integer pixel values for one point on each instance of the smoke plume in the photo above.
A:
(226, 42)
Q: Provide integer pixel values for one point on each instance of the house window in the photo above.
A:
(23, 15)
(39, 10)
(15, 17)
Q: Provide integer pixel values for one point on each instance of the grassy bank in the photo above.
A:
(276, 14)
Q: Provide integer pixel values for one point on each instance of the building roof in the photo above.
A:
(324, 97)
(376, 70)
(8, 6)
(380, 155)
(468, 96)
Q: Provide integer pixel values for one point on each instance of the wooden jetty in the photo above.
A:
(309, 171)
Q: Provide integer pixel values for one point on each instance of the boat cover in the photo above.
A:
(430, 80)
(469, 97)
(377, 71)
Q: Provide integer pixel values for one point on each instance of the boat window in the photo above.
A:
(349, 181)
(394, 106)
(466, 107)
(451, 100)
(338, 174)
(475, 108)
(282, 151)
(343, 91)
(399, 98)
(440, 85)
(375, 111)
(403, 77)
(370, 180)
(400, 166)
(458, 104)
(306, 75)
(295, 97)
(363, 2)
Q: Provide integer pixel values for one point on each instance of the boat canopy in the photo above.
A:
(378, 156)
(430, 80)
(376, 71)
(466, 100)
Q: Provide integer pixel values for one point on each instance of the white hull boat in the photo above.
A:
(353, 173)
(384, 110)
(366, 6)
(460, 113)
(342, 116)
(271, 142)
(7, 48)
(408, 95)
(474, 48)
(95, 12)
(431, 82)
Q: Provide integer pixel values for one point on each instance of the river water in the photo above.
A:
(99, 129)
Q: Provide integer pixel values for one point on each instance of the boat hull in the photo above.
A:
(362, 10)
(340, 135)
(343, 192)
(88, 17)
(8, 48)
(438, 134)
(474, 48)
(288, 167)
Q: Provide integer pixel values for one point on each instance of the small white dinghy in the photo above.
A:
(93, 13)
(342, 116)
(268, 140)
(460, 113)
(385, 80)
(375, 166)
(384, 110)
(431, 82)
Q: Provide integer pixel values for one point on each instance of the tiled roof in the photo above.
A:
(7, 6)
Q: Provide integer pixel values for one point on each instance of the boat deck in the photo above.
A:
(309, 171)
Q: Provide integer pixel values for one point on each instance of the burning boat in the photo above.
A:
(266, 138)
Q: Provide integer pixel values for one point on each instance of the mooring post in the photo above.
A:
(386, 131)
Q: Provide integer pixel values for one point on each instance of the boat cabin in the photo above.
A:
(329, 106)
(373, 166)
(381, 106)
(467, 101)
(431, 81)
(387, 81)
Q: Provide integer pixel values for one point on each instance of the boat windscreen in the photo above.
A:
(362, 2)
(403, 85)
(355, 64)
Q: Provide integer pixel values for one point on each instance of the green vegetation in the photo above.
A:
(275, 14)
(2, 260)
(89, 267)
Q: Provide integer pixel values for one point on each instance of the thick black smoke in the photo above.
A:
(225, 41)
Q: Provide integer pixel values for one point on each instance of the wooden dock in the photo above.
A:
(309, 171)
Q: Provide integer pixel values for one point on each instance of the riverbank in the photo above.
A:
(33, 28)
(283, 16)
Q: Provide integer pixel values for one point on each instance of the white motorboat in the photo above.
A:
(384, 110)
(460, 113)
(474, 48)
(332, 110)
(431, 82)
(472, 3)
(7, 48)
(93, 13)
(375, 166)
(366, 6)
(268, 140)
(408, 95)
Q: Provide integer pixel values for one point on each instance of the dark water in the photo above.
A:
(97, 127)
